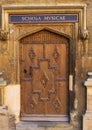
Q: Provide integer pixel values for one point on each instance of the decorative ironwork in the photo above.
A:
(44, 79)
(31, 54)
(33, 103)
(57, 104)
(56, 54)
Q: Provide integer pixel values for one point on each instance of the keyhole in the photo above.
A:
(25, 71)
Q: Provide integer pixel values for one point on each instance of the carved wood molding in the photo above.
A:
(3, 35)
(21, 31)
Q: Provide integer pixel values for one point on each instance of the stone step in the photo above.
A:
(43, 126)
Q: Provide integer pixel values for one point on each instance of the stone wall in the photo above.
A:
(7, 121)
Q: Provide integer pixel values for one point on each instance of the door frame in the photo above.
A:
(12, 46)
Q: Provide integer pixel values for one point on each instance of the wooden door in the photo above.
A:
(44, 77)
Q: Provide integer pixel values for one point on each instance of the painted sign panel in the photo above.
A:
(43, 18)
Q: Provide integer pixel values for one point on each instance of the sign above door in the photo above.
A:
(42, 18)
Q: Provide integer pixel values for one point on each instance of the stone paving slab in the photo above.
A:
(43, 126)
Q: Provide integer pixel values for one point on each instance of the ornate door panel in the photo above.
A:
(44, 76)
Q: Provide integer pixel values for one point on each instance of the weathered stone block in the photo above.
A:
(7, 121)
(43, 126)
(87, 118)
(4, 122)
(87, 122)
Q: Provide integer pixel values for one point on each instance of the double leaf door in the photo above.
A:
(44, 73)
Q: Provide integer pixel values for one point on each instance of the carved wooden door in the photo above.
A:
(44, 77)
